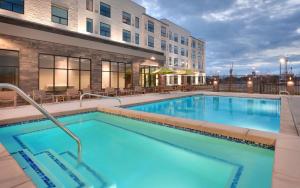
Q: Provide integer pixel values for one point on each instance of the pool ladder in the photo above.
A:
(96, 95)
(47, 114)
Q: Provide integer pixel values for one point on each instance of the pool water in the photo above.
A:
(259, 114)
(122, 152)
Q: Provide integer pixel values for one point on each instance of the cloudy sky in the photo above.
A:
(248, 33)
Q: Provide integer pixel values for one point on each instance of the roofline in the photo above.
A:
(198, 39)
(138, 4)
(175, 24)
(156, 19)
(46, 28)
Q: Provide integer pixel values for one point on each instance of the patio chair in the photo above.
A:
(139, 90)
(42, 96)
(110, 91)
(8, 97)
(124, 91)
(73, 94)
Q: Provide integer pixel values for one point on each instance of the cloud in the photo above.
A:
(247, 33)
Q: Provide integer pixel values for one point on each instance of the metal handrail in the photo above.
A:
(96, 95)
(45, 113)
(284, 92)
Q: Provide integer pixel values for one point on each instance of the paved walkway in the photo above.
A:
(294, 103)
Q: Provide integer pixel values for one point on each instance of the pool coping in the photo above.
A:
(286, 142)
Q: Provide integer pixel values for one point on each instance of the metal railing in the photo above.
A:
(96, 95)
(45, 113)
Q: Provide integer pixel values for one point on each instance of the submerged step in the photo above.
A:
(63, 170)
(92, 176)
(39, 174)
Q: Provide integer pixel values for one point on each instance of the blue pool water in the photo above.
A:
(260, 114)
(127, 153)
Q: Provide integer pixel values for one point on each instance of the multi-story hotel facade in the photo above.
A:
(57, 44)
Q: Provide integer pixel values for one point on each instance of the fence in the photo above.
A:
(263, 84)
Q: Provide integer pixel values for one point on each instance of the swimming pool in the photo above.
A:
(259, 114)
(122, 152)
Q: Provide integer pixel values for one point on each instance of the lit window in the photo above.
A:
(89, 25)
(13, 5)
(126, 18)
(126, 36)
(59, 15)
(104, 29)
(105, 9)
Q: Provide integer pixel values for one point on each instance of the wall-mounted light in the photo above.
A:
(152, 58)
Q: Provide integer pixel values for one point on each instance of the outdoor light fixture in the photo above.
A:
(152, 58)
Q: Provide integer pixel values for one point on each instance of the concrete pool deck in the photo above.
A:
(287, 142)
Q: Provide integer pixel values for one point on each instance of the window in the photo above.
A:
(147, 76)
(137, 38)
(89, 5)
(170, 48)
(175, 50)
(170, 60)
(175, 37)
(126, 36)
(104, 29)
(170, 35)
(175, 61)
(9, 67)
(150, 26)
(187, 53)
(13, 5)
(57, 73)
(137, 22)
(182, 40)
(126, 18)
(193, 55)
(163, 45)
(116, 75)
(59, 15)
(89, 25)
(150, 41)
(104, 9)
(193, 44)
(182, 51)
(163, 31)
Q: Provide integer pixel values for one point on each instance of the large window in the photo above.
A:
(116, 75)
(104, 29)
(89, 5)
(175, 50)
(57, 73)
(150, 41)
(182, 52)
(126, 18)
(9, 67)
(175, 61)
(147, 77)
(13, 5)
(105, 9)
(126, 36)
(59, 15)
(182, 40)
(175, 37)
(150, 26)
(89, 25)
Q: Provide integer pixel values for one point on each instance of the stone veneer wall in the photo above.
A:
(30, 49)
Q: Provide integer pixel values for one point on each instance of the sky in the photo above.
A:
(250, 34)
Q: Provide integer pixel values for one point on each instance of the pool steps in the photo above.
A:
(50, 169)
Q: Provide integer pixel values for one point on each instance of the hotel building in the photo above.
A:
(57, 44)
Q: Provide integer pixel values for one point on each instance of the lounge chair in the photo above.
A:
(8, 97)
(139, 90)
(124, 91)
(42, 96)
(73, 94)
(110, 91)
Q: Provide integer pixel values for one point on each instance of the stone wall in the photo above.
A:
(30, 49)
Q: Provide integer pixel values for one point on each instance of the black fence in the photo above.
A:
(264, 84)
